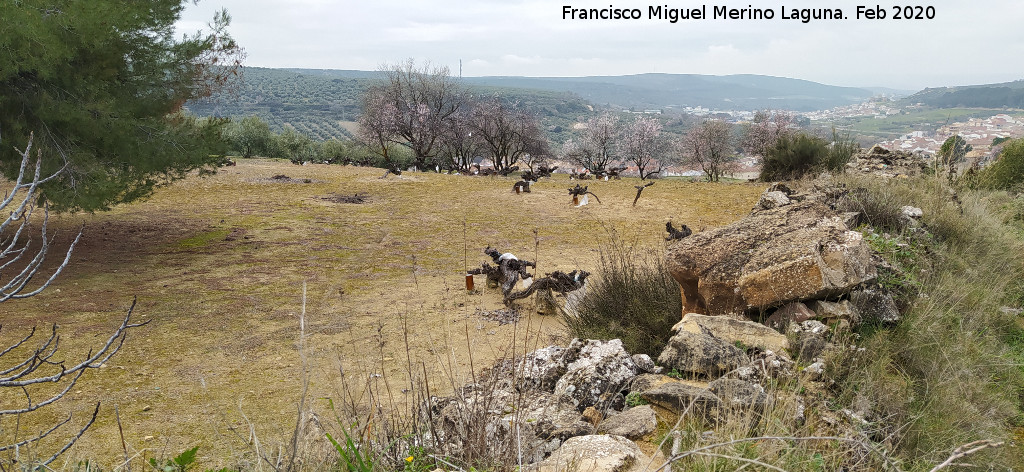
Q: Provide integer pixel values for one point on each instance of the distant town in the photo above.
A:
(978, 132)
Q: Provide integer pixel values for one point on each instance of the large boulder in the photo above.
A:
(798, 251)
(597, 371)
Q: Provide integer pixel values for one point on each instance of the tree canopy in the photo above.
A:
(101, 84)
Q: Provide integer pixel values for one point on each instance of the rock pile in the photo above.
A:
(886, 163)
(588, 401)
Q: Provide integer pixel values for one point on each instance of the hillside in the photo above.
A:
(323, 103)
(728, 92)
(1003, 95)
(736, 92)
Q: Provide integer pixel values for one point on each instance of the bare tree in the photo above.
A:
(709, 146)
(421, 100)
(508, 131)
(765, 130)
(378, 124)
(641, 144)
(28, 369)
(460, 143)
(596, 147)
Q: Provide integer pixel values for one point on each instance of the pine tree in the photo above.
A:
(102, 84)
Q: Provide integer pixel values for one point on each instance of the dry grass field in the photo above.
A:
(218, 265)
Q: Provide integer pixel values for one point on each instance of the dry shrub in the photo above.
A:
(631, 297)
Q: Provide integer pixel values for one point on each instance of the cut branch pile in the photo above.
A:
(579, 191)
(556, 281)
(674, 234)
(508, 271)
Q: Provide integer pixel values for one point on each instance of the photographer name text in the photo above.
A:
(724, 12)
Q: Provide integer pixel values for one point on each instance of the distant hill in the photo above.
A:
(1003, 95)
(323, 103)
(728, 92)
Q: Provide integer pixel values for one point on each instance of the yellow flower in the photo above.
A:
(409, 459)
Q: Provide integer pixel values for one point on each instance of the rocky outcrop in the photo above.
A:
(883, 162)
(796, 251)
(535, 406)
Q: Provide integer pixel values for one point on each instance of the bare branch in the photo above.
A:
(966, 450)
(27, 367)
(72, 441)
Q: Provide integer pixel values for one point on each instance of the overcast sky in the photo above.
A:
(968, 42)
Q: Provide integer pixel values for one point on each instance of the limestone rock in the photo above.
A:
(646, 364)
(542, 368)
(772, 199)
(829, 312)
(912, 212)
(633, 423)
(795, 312)
(815, 370)
(701, 353)
(546, 422)
(733, 331)
(875, 304)
(679, 396)
(594, 453)
(794, 252)
(598, 371)
(810, 339)
(739, 394)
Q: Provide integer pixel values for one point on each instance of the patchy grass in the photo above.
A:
(951, 371)
(218, 265)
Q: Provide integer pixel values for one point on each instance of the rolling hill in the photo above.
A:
(323, 103)
(1003, 95)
